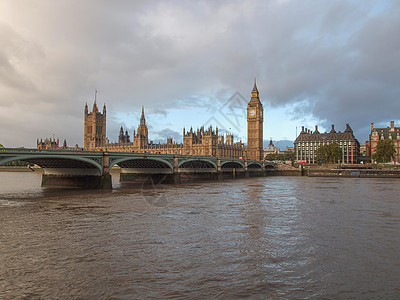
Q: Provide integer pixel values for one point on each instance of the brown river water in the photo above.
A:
(273, 237)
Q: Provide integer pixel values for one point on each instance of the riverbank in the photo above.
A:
(353, 171)
(356, 173)
(20, 169)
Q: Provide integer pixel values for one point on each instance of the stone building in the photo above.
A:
(53, 144)
(255, 120)
(205, 142)
(307, 143)
(377, 134)
(271, 149)
(48, 144)
(94, 135)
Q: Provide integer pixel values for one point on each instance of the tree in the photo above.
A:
(335, 152)
(329, 153)
(321, 155)
(384, 151)
(280, 156)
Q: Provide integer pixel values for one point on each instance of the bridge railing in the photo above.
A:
(141, 154)
(34, 150)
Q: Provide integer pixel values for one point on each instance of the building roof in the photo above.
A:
(270, 147)
(316, 136)
(388, 132)
(255, 99)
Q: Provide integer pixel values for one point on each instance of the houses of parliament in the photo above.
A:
(205, 142)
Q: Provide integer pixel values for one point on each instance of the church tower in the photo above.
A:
(141, 139)
(95, 127)
(255, 119)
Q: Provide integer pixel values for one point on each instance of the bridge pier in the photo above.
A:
(77, 181)
(87, 178)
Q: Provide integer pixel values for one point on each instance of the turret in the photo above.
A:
(95, 125)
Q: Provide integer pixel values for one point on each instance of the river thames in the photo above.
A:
(272, 237)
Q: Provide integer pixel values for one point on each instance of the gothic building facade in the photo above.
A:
(53, 144)
(49, 144)
(388, 133)
(307, 143)
(94, 133)
(204, 141)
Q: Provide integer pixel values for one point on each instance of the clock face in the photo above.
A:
(252, 112)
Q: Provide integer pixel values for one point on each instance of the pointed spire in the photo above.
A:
(95, 109)
(255, 85)
(254, 93)
(142, 118)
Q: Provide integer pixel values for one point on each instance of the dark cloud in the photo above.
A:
(331, 61)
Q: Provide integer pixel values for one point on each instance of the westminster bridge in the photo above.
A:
(91, 169)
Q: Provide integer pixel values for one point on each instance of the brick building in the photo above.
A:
(377, 134)
(307, 143)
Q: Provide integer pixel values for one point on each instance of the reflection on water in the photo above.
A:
(289, 237)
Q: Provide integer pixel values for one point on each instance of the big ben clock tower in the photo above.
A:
(255, 120)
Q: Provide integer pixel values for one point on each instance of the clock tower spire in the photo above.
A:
(255, 120)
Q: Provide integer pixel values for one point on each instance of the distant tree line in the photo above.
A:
(280, 156)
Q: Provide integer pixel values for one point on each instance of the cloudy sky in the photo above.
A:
(193, 63)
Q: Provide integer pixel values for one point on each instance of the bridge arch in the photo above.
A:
(56, 161)
(254, 165)
(270, 167)
(231, 165)
(197, 164)
(142, 163)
